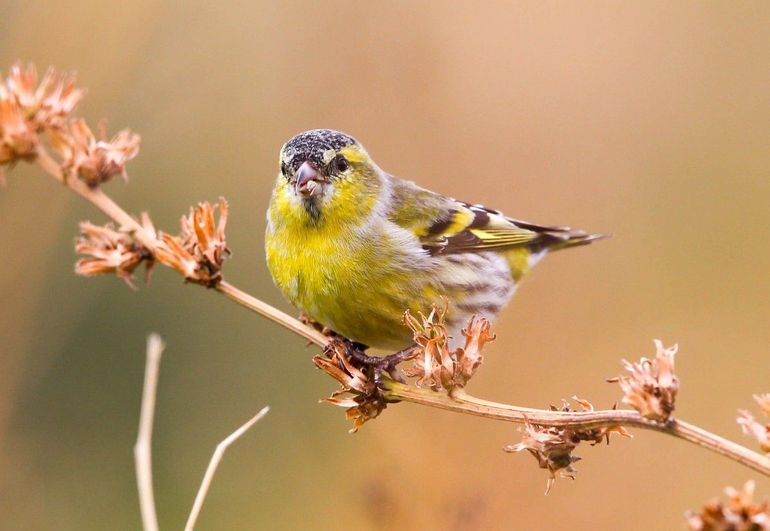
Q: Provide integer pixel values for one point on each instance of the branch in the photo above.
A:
(98, 198)
(460, 402)
(143, 446)
(219, 452)
(147, 238)
(274, 314)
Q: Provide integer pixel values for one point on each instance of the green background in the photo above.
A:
(649, 120)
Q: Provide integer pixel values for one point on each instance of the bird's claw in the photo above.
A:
(375, 366)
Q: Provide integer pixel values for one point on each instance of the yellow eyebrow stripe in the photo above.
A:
(354, 154)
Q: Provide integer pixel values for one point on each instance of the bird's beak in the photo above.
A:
(309, 182)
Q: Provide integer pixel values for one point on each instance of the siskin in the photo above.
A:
(354, 247)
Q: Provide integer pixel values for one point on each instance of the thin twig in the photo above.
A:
(104, 203)
(98, 198)
(143, 446)
(274, 314)
(214, 463)
(459, 402)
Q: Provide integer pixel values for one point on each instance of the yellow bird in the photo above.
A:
(354, 247)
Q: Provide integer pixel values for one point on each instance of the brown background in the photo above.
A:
(648, 120)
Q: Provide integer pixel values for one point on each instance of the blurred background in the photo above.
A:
(650, 121)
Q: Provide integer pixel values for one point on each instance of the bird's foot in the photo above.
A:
(375, 366)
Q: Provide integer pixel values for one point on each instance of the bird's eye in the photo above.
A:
(283, 168)
(341, 163)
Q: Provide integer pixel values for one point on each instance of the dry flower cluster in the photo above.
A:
(365, 400)
(30, 107)
(94, 160)
(652, 385)
(435, 365)
(650, 388)
(740, 513)
(200, 250)
(111, 251)
(754, 428)
(552, 446)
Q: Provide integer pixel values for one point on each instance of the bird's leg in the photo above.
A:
(394, 359)
(379, 364)
(374, 366)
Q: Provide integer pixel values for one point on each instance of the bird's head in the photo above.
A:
(326, 174)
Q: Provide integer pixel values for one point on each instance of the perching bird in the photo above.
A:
(354, 247)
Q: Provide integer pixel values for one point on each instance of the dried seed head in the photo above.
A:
(29, 106)
(364, 401)
(469, 358)
(752, 427)
(22, 85)
(200, 250)
(94, 161)
(652, 386)
(552, 446)
(18, 139)
(437, 367)
(206, 237)
(46, 103)
(111, 251)
(764, 403)
(59, 103)
(433, 365)
(740, 513)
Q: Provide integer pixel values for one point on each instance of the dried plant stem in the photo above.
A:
(104, 203)
(274, 314)
(458, 402)
(99, 199)
(461, 402)
(143, 446)
(214, 463)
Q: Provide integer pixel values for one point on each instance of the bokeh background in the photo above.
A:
(649, 120)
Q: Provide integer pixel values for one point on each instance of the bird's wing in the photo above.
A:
(445, 225)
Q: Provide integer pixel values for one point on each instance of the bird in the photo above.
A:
(354, 247)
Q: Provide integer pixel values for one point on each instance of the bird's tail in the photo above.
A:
(555, 238)
(565, 240)
(522, 259)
